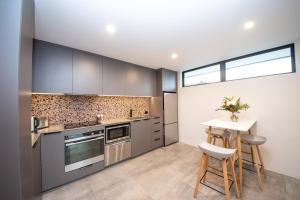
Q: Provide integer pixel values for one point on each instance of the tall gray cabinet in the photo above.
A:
(52, 68)
(87, 73)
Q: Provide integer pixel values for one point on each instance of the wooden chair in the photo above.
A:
(223, 154)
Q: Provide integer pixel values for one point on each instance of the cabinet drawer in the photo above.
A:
(157, 142)
(156, 134)
(157, 119)
(157, 127)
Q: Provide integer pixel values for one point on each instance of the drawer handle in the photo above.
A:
(157, 139)
(156, 131)
(157, 123)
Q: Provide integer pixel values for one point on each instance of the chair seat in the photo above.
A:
(253, 139)
(215, 151)
(220, 133)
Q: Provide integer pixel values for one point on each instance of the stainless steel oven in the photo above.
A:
(117, 133)
(83, 149)
(118, 143)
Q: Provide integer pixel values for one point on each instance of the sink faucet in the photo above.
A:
(130, 113)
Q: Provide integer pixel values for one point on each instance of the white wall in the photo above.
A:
(275, 103)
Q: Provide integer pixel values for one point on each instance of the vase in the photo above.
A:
(234, 117)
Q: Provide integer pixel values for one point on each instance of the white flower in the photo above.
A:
(233, 101)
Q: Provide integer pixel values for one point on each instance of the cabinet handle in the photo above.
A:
(157, 139)
(156, 131)
(157, 123)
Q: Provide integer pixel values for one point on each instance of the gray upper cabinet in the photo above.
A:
(169, 80)
(141, 137)
(87, 73)
(141, 81)
(52, 68)
(114, 77)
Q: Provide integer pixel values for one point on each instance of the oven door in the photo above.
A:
(117, 133)
(81, 153)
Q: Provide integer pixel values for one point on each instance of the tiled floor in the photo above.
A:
(166, 173)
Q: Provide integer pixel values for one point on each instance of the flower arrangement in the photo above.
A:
(233, 105)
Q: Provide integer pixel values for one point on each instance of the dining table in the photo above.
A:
(242, 125)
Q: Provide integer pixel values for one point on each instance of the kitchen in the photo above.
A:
(89, 121)
(149, 100)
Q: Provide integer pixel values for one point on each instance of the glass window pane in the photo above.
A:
(275, 62)
(204, 75)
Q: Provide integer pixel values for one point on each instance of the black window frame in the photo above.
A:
(223, 65)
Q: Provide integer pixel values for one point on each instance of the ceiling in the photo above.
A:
(149, 31)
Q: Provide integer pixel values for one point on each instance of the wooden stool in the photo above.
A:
(254, 141)
(223, 154)
(220, 134)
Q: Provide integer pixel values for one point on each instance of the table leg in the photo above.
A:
(239, 149)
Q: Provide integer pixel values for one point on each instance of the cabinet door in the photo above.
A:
(141, 81)
(114, 77)
(37, 168)
(169, 80)
(87, 73)
(140, 137)
(52, 68)
(53, 160)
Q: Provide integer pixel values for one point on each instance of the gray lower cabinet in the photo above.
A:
(141, 137)
(53, 163)
(114, 77)
(87, 73)
(140, 81)
(36, 169)
(52, 68)
(156, 133)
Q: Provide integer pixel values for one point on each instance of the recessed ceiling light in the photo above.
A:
(249, 25)
(174, 55)
(111, 29)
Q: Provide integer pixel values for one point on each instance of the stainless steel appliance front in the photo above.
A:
(117, 133)
(170, 118)
(118, 144)
(83, 149)
(116, 152)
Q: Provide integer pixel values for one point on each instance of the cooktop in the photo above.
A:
(80, 124)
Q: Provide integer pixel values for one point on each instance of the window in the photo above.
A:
(209, 74)
(279, 60)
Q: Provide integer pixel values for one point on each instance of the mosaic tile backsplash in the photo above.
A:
(62, 109)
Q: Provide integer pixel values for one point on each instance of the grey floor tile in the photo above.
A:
(168, 173)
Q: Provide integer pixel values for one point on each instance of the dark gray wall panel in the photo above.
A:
(10, 15)
(114, 77)
(25, 81)
(87, 73)
(16, 22)
(52, 68)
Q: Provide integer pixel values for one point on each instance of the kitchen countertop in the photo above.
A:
(50, 129)
(60, 128)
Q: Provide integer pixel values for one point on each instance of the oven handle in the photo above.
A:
(121, 126)
(82, 138)
(73, 143)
